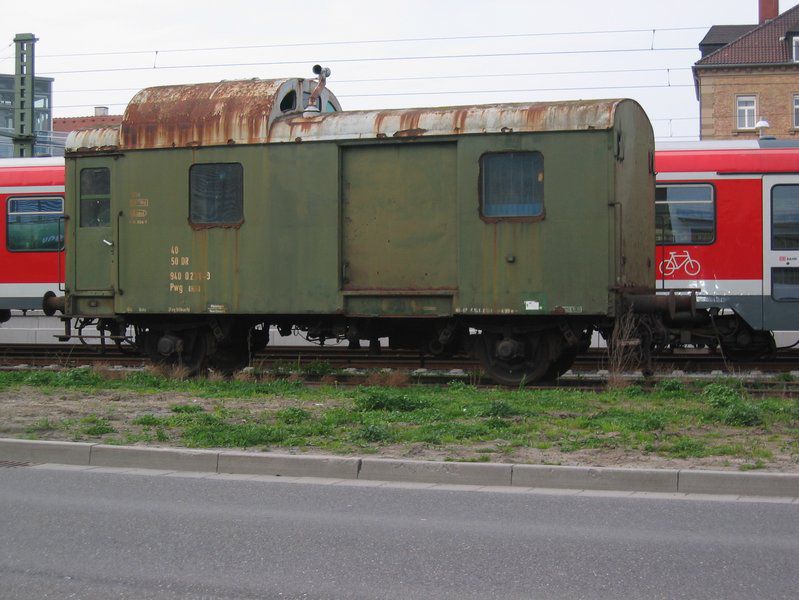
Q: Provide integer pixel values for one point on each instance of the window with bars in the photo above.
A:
(216, 194)
(512, 184)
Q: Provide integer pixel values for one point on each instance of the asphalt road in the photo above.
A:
(95, 534)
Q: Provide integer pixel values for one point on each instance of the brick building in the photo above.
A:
(101, 118)
(750, 73)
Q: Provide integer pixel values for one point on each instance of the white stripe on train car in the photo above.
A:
(26, 290)
(704, 175)
(32, 189)
(44, 161)
(718, 287)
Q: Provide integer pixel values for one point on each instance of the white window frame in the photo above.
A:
(795, 45)
(745, 114)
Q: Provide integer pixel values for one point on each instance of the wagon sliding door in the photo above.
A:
(399, 225)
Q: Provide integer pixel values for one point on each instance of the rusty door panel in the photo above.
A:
(399, 217)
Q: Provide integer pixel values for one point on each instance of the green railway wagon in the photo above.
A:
(217, 210)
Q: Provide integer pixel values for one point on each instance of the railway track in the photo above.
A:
(304, 357)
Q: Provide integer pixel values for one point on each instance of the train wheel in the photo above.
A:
(187, 349)
(560, 365)
(515, 360)
(233, 352)
(750, 345)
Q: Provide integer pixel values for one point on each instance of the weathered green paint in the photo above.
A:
(399, 217)
(402, 214)
(394, 305)
(95, 248)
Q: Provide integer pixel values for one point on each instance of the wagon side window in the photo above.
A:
(216, 194)
(33, 224)
(95, 197)
(512, 184)
(685, 214)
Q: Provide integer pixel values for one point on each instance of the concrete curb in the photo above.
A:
(784, 485)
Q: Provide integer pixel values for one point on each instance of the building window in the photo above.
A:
(34, 224)
(684, 214)
(745, 106)
(795, 44)
(785, 217)
(796, 111)
(216, 194)
(95, 197)
(512, 184)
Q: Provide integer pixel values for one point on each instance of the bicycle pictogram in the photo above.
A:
(677, 261)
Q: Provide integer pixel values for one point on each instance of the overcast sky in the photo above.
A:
(382, 54)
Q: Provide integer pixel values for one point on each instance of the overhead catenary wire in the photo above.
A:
(374, 41)
(374, 59)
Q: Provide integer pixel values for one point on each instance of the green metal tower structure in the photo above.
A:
(24, 135)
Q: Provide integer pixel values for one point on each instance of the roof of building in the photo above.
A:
(765, 44)
(719, 36)
(68, 124)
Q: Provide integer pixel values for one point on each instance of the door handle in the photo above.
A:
(108, 243)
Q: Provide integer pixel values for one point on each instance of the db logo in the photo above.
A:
(679, 261)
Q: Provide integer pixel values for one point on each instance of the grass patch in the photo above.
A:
(676, 419)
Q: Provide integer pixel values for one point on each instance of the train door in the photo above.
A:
(399, 218)
(780, 252)
(94, 226)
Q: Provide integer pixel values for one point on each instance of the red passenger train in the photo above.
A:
(31, 238)
(727, 226)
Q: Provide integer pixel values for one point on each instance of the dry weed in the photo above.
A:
(624, 350)
(247, 376)
(388, 379)
(169, 371)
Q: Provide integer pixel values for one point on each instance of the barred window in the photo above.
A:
(512, 184)
(216, 194)
(33, 224)
(684, 214)
(95, 197)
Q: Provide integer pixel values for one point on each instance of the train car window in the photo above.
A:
(33, 224)
(785, 217)
(785, 284)
(216, 193)
(685, 214)
(329, 107)
(95, 197)
(512, 184)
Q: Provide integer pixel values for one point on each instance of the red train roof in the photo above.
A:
(752, 160)
(31, 172)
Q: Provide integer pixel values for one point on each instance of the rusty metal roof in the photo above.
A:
(210, 114)
(99, 139)
(414, 122)
(249, 112)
